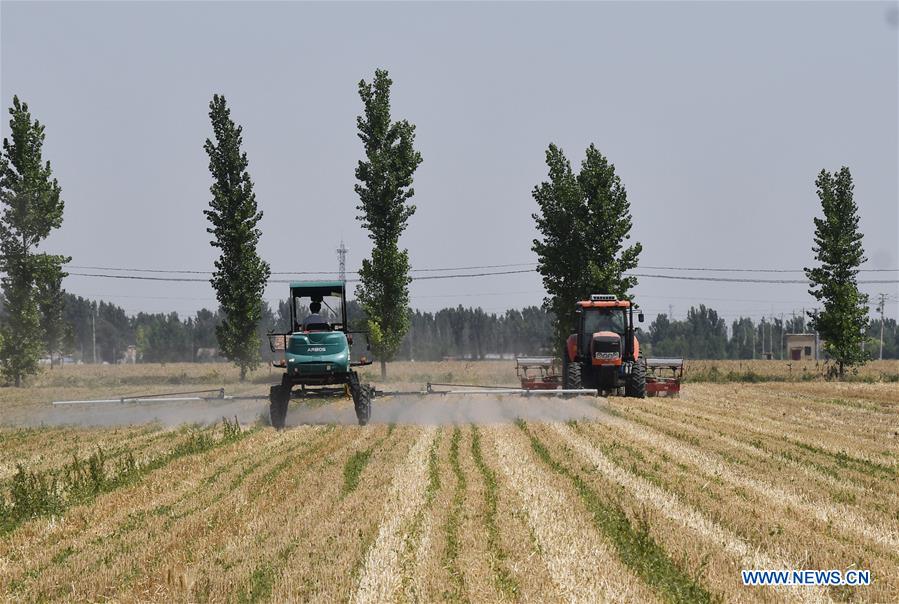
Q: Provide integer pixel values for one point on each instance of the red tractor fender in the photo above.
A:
(636, 349)
(571, 346)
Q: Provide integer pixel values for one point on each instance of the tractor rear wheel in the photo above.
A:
(279, 397)
(362, 394)
(636, 381)
(573, 376)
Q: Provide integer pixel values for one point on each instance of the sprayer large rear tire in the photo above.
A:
(279, 397)
(362, 395)
(573, 376)
(363, 406)
(636, 381)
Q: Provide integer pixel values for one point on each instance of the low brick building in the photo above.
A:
(803, 346)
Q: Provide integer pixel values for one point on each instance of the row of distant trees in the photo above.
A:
(104, 329)
(469, 333)
(705, 335)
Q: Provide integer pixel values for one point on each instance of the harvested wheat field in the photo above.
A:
(581, 500)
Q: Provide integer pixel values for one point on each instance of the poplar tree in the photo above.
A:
(843, 321)
(585, 221)
(32, 207)
(240, 274)
(384, 189)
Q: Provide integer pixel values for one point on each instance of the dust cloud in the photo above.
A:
(404, 409)
(452, 409)
(126, 414)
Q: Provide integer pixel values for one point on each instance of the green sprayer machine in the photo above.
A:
(317, 351)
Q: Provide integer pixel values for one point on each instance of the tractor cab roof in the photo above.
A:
(604, 304)
(300, 289)
(604, 301)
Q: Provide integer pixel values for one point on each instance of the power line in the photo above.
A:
(754, 270)
(199, 280)
(331, 272)
(495, 273)
(465, 268)
(472, 268)
(744, 280)
(527, 270)
(142, 278)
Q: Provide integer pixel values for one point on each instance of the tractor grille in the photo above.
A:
(605, 347)
(314, 368)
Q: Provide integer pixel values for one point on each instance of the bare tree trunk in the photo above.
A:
(243, 373)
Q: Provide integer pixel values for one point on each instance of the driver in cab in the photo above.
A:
(314, 319)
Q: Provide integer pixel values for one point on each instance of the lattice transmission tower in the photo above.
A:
(341, 261)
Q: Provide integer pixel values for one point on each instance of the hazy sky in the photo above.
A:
(717, 116)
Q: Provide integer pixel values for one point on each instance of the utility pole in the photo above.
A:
(780, 340)
(771, 338)
(762, 334)
(881, 309)
(753, 342)
(341, 261)
(817, 340)
(94, 333)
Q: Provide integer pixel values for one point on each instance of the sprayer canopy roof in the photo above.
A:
(317, 289)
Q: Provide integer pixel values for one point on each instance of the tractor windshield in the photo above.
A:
(321, 313)
(604, 319)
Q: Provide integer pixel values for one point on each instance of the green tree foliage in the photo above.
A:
(240, 274)
(204, 328)
(50, 301)
(161, 338)
(114, 332)
(843, 320)
(703, 335)
(32, 208)
(890, 337)
(742, 339)
(384, 189)
(584, 221)
(471, 333)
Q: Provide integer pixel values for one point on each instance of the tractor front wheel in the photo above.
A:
(573, 376)
(636, 381)
(279, 397)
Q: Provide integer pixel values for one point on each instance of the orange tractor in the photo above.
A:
(604, 353)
